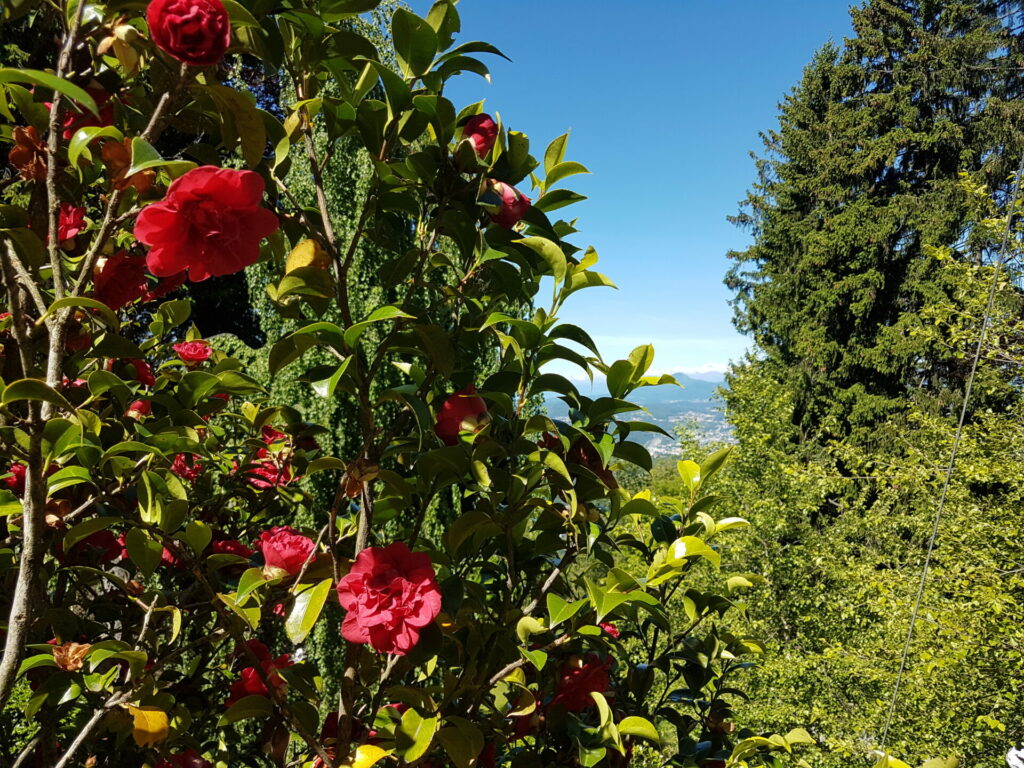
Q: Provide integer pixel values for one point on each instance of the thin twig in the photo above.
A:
(24, 279)
(509, 668)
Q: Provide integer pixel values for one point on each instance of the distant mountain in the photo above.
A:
(716, 377)
(692, 390)
(692, 404)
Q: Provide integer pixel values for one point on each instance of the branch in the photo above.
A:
(24, 279)
(90, 726)
(53, 140)
(22, 604)
(509, 668)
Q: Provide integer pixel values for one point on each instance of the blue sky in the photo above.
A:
(664, 100)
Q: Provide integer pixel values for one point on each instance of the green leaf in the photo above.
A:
(9, 504)
(306, 610)
(800, 736)
(249, 581)
(557, 198)
(563, 171)
(239, 14)
(560, 610)
(239, 117)
(145, 156)
(36, 390)
(730, 522)
(415, 42)
(197, 535)
(79, 144)
(555, 153)
(714, 462)
(326, 387)
(84, 302)
(336, 10)
(33, 662)
(640, 728)
(463, 742)
(690, 546)
(537, 658)
(550, 252)
(604, 711)
(287, 350)
(528, 626)
(246, 708)
(67, 477)
(414, 735)
(143, 550)
(45, 79)
(378, 315)
(689, 471)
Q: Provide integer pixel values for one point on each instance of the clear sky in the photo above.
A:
(664, 100)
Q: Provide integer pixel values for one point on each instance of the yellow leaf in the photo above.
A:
(150, 726)
(308, 253)
(366, 756)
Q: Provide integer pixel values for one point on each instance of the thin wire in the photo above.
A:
(956, 445)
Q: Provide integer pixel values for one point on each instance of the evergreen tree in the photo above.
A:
(859, 177)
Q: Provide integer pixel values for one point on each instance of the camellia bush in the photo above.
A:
(502, 601)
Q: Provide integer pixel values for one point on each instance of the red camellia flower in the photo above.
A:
(582, 452)
(505, 204)
(231, 547)
(271, 435)
(193, 352)
(186, 466)
(268, 472)
(143, 372)
(164, 286)
(482, 131)
(120, 280)
(579, 677)
(390, 594)
(285, 551)
(464, 411)
(187, 759)
(210, 223)
(70, 222)
(195, 32)
(251, 683)
(16, 482)
(139, 409)
(610, 628)
(104, 546)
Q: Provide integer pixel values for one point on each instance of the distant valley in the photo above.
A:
(694, 404)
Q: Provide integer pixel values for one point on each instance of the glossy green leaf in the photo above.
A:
(47, 80)
(378, 315)
(560, 610)
(551, 254)
(246, 708)
(415, 42)
(306, 610)
(33, 389)
(639, 727)
(414, 735)
(143, 550)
